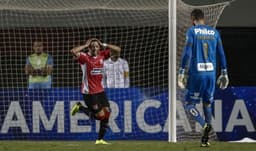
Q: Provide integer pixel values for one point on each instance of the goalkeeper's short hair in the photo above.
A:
(197, 14)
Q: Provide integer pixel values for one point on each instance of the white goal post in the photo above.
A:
(172, 70)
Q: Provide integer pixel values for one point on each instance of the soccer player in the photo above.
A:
(94, 96)
(203, 45)
(39, 66)
(116, 72)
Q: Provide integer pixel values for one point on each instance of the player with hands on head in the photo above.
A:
(203, 45)
(91, 63)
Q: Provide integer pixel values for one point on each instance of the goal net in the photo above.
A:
(139, 27)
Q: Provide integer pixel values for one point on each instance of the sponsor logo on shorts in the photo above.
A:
(205, 66)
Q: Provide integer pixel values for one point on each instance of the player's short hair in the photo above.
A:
(197, 14)
(95, 40)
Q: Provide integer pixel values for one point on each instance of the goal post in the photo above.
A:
(172, 70)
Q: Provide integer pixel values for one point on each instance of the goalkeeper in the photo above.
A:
(94, 96)
(203, 45)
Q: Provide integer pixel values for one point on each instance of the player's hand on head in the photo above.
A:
(100, 43)
(181, 79)
(223, 80)
(88, 42)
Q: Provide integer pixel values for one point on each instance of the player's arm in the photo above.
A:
(222, 80)
(113, 48)
(110, 49)
(126, 75)
(187, 49)
(221, 54)
(47, 70)
(29, 70)
(76, 50)
(185, 58)
(104, 79)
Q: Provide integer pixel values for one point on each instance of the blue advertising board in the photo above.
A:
(137, 113)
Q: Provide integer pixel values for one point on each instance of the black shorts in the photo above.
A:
(95, 102)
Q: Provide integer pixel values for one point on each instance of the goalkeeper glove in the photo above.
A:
(181, 79)
(223, 80)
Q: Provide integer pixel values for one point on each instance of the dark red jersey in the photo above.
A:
(92, 68)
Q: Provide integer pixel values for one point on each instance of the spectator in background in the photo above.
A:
(116, 72)
(39, 66)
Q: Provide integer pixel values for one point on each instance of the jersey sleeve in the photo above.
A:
(126, 66)
(220, 52)
(187, 51)
(105, 53)
(83, 58)
(50, 60)
(27, 61)
(126, 74)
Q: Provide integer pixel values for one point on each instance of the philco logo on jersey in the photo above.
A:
(204, 31)
(96, 71)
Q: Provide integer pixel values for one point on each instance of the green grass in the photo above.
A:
(121, 146)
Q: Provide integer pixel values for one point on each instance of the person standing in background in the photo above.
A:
(39, 67)
(116, 72)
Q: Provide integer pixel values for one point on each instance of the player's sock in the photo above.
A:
(103, 128)
(205, 138)
(206, 130)
(191, 109)
(208, 113)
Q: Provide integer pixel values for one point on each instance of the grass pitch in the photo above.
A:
(121, 146)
